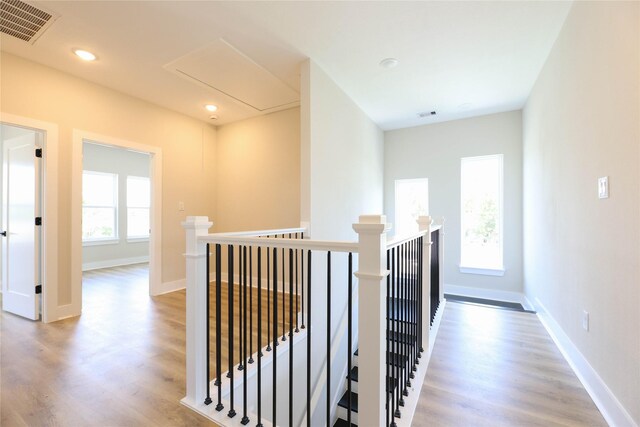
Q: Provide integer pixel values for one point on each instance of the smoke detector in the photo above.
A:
(426, 114)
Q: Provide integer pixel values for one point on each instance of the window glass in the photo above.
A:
(138, 204)
(99, 206)
(481, 212)
(411, 201)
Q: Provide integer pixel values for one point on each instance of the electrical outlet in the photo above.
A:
(585, 320)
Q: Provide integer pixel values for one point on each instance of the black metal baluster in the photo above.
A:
(232, 412)
(309, 338)
(395, 343)
(328, 339)
(219, 406)
(420, 279)
(405, 289)
(240, 336)
(297, 290)
(349, 335)
(400, 329)
(414, 267)
(207, 400)
(275, 337)
(245, 418)
(284, 334)
(251, 305)
(302, 282)
(268, 300)
(290, 338)
(259, 344)
(387, 383)
(411, 309)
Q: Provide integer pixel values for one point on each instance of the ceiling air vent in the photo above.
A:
(23, 21)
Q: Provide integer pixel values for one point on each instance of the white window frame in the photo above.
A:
(497, 270)
(138, 238)
(94, 241)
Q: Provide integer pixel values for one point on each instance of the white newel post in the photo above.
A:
(196, 308)
(372, 274)
(424, 224)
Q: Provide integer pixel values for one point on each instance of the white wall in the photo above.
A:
(434, 152)
(342, 158)
(582, 122)
(341, 177)
(100, 158)
(188, 147)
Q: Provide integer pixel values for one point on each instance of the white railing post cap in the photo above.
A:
(424, 220)
(197, 222)
(372, 224)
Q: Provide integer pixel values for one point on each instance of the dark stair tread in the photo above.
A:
(344, 401)
(356, 353)
(354, 378)
(342, 423)
(401, 337)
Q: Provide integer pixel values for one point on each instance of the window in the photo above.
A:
(412, 200)
(481, 215)
(138, 204)
(99, 206)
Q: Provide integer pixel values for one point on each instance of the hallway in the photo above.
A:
(497, 367)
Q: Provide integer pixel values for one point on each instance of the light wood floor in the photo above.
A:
(493, 367)
(122, 363)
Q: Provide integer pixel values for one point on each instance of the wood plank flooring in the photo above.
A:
(122, 363)
(493, 367)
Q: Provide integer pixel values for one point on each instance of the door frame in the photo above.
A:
(155, 239)
(49, 189)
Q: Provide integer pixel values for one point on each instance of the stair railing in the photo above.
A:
(392, 283)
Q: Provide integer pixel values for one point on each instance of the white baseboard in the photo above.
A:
(612, 411)
(66, 311)
(493, 294)
(167, 287)
(95, 265)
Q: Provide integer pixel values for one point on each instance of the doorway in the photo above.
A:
(21, 216)
(48, 305)
(113, 224)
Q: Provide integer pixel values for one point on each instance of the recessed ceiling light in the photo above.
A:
(84, 54)
(211, 107)
(389, 63)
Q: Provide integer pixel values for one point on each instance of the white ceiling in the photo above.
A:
(460, 59)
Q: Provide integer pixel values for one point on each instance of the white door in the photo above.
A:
(20, 235)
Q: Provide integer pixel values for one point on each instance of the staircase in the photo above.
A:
(397, 361)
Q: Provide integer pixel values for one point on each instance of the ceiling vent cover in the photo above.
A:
(23, 21)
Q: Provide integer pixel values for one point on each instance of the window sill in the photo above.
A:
(137, 239)
(100, 242)
(482, 271)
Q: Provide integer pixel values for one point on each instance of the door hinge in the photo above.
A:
(38, 220)
(39, 152)
(38, 289)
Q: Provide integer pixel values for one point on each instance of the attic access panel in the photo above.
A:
(224, 68)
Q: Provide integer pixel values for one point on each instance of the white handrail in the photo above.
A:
(270, 242)
(262, 232)
(397, 241)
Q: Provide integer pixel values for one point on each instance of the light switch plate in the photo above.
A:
(603, 187)
(181, 206)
